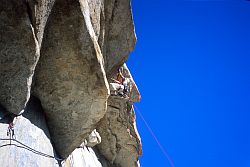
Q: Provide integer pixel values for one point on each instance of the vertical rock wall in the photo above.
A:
(18, 55)
(121, 144)
(70, 79)
(64, 53)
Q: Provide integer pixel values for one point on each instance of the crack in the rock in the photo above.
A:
(114, 107)
(116, 139)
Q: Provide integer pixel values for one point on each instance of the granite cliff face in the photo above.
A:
(58, 59)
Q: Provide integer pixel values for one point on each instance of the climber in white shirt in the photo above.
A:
(120, 85)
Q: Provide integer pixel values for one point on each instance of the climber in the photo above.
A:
(126, 84)
(119, 77)
(121, 85)
(10, 131)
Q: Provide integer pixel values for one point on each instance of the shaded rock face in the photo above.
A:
(120, 35)
(18, 55)
(68, 50)
(120, 142)
(39, 12)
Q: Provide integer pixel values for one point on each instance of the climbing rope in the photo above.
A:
(155, 138)
(27, 148)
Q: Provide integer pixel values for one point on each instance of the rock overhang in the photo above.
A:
(78, 45)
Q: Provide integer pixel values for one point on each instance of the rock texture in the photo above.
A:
(18, 55)
(70, 79)
(39, 12)
(121, 144)
(119, 33)
(65, 54)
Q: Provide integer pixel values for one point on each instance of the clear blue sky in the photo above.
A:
(192, 66)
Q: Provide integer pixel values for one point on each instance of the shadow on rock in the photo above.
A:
(34, 113)
(5, 116)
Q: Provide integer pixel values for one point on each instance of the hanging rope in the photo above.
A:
(28, 148)
(154, 136)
